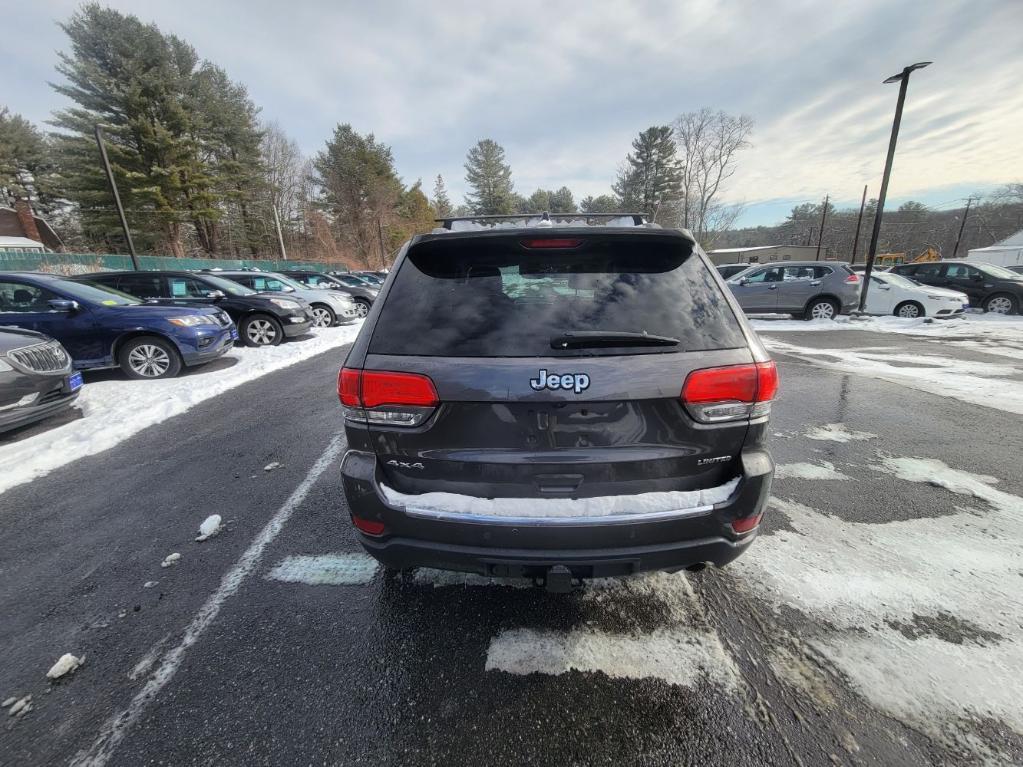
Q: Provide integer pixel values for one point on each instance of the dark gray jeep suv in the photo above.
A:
(556, 403)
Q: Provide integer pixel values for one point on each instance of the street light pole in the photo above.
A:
(820, 235)
(859, 220)
(117, 197)
(962, 226)
(903, 79)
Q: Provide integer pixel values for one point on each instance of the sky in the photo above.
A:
(565, 87)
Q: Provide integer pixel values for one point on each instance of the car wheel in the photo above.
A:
(1001, 303)
(261, 330)
(821, 309)
(909, 309)
(361, 307)
(149, 357)
(323, 317)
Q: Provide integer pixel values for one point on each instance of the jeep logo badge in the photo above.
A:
(568, 381)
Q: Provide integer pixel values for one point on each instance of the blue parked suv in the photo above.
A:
(102, 328)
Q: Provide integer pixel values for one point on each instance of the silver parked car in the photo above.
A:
(813, 290)
(328, 308)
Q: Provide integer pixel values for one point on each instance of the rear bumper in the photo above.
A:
(588, 548)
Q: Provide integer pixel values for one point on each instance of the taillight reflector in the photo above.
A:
(369, 526)
(552, 242)
(853, 278)
(348, 381)
(746, 524)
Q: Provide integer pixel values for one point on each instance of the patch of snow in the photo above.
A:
(822, 470)
(18, 706)
(117, 409)
(837, 432)
(147, 660)
(8, 702)
(65, 664)
(209, 527)
(271, 466)
(602, 506)
(150, 584)
(326, 570)
(677, 656)
(923, 616)
(170, 560)
(978, 383)
(427, 576)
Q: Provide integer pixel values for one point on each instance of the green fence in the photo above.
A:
(76, 263)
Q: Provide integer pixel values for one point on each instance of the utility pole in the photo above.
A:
(820, 235)
(383, 253)
(859, 220)
(903, 79)
(117, 197)
(962, 226)
(280, 237)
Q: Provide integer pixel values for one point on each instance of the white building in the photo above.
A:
(1008, 252)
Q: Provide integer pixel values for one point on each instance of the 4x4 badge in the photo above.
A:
(405, 464)
(569, 381)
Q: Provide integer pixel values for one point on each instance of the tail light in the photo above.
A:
(386, 397)
(853, 278)
(369, 526)
(746, 524)
(731, 393)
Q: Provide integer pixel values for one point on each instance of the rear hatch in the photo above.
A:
(556, 360)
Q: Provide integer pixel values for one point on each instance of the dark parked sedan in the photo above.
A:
(263, 319)
(36, 379)
(361, 292)
(992, 288)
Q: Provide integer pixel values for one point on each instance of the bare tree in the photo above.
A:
(708, 143)
(285, 172)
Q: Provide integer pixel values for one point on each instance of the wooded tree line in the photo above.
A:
(200, 174)
(910, 228)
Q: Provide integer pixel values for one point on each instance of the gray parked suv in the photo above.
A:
(812, 290)
(556, 404)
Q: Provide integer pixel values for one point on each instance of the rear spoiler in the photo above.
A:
(447, 222)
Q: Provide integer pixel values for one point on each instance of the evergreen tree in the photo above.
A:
(651, 177)
(441, 201)
(26, 166)
(604, 203)
(538, 202)
(360, 190)
(562, 201)
(489, 178)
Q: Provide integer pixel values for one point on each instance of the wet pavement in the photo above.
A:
(222, 662)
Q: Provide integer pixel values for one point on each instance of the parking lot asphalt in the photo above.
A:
(225, 660)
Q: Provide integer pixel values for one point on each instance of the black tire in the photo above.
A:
(995, 304)
(261, 330)
(323, 316)
(818, 309)
(361, 307)
(149, 358)
(910, 310)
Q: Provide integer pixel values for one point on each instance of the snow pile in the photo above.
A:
(170, 560)
(923, 616)
(326, 570)
(837, 432)
(65, 664)
(603, 506)
(822, 470)
(117, 409)
(209, 527)
(18, 706)
(979, 383)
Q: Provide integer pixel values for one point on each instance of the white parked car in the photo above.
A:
(894, 294)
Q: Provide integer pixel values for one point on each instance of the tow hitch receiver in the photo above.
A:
(559, 580)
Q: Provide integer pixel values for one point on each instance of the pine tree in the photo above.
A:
(441, 202)
(652, 175)
(604, 203)
(26, 165)
(489, 178)
(538, 202)
(562, 201)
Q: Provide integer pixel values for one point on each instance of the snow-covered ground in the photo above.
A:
(991, 333)
(923, 616)
(116, 409)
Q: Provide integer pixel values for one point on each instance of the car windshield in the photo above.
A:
(496, 299)
(229, 287)
(354, 282)
(998, 271)
(287, 281)
(896, 279)
(97, 294)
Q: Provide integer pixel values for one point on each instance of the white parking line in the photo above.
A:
(115, 729)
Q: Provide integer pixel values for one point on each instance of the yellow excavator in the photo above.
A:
(885, 260)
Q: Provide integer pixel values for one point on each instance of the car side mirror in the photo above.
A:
(744, 281)
(63, 305)
(885, 287)
(216, 295)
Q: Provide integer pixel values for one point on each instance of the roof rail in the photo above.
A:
(638, 219)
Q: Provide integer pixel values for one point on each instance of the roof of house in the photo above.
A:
(1012, 242)
(19, 242)
(10, 226)
(757, 247)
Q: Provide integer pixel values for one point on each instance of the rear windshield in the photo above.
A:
(495, 298)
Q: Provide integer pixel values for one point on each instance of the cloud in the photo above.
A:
(566, 87)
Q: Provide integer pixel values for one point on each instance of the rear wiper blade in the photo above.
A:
(579, 339)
